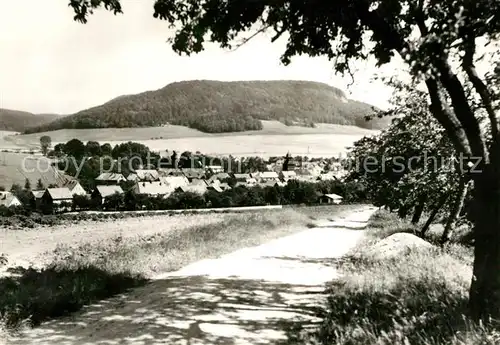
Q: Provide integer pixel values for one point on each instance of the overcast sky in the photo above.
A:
(51, 64)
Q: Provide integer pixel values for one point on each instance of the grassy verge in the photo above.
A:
(88, 272)
(418, 298)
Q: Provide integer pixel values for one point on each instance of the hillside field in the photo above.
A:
(17, 167)
(273, 139)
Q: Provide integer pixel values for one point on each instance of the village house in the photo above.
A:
(241, 177)
(110, 179)
(56, 197)
(170, 172)
(193, 173)
(153, 188)
(219, 186)
(305, 175)
(218, 177)
(223, 185)
(175, 181)
(197, 189)
(36, 198)
(76, 188)
(273, 183)
(102, 192)
(330, 199)
(215, 187)
(215, 169)
(8, 199)
(147, 175)
(285, 176)
(327, 177)
(267, 176)
(132, 177)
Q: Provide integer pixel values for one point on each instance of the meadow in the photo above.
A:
(324, 140)
(17, 167)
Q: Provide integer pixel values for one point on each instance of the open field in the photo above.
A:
(6, 140)
(24, 247)
(17, 167)
(326, 139)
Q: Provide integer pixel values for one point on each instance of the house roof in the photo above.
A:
(132, 177)
(175, 181)
(241, 184)
(7, 198)
(193, 172)
(63, 193)
(154, 188)
(72, 184)
(288, 174)
(224, 185)
(219, 176)
(241, 176)
(273, 183)
(37, 193)
(110, 177)
(333, 196)
(268, 174)
(170, 172)
(105, 191)
(197, 181)
(144, 174)
(328, 176)
(216, 187)
(198, 189)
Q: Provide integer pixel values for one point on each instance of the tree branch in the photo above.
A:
(479, 85)
(446, 118)
(462, 108)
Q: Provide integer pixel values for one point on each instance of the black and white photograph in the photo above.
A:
(249, 172)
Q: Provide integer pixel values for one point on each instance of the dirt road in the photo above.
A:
(252, 296)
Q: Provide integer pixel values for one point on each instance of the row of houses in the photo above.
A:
(193, 174)
(162, 182)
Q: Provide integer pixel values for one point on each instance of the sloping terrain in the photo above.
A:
(17, 167)
(217, 107)
(18, 121)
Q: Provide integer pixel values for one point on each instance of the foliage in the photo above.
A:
(45, 144)
(214, 107)
(39, 184)
(74, 148)
(411, 161)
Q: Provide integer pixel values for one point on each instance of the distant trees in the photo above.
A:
(74, 148)
(218, 107)
(93, 148)
(45, 144)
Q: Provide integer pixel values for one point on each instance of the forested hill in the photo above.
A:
(215, 107)
(18, 121)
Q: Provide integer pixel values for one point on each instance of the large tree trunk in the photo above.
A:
(455, 211)
(484, 302)
(419, 209)
(442, 201)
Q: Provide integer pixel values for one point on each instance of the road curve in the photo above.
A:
(251, 296)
